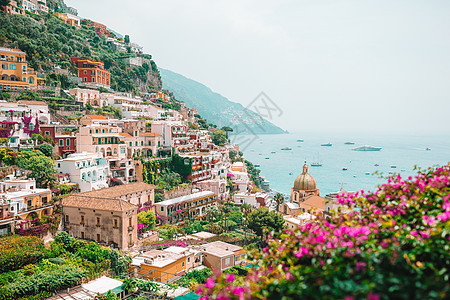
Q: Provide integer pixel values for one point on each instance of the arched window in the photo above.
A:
(31, 80)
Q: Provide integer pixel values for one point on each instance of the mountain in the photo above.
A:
(214, 107)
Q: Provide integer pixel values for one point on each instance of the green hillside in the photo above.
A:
(214, 107)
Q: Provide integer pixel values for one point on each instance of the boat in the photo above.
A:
(257, 166)
(267, 158)
(376, 165)
(393, 166)
(300, 141)
(273, 152)
(367, 148)
(286, 148)
(349, 143)
(428, 149)
(344, 169)
(327, 145)
(316, 164)
(290, 173)
(367, 173)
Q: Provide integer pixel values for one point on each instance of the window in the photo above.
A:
(31, 80)
(142, 143)
(189, 259)
(227, 261)
(162, 208)
(182, 264)
(82, 234)
(61, 142)
(84, 78)
(82, 220)
(67, 219)
(116, 223)
(93, 79)
(85, 72)
(47, 133)
(24, 79)
(136, 143)
(59, 165)
(44, 200)
(29, 203)
(131, 144)
(92, 72)
(12, 66)
(130, 222)
(24, 69)
(98, 237)
(5, 66)
(122, 150)
(68, 142)
(98, 221)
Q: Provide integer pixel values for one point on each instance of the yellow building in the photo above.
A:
(158, 265)
(15, 75)
(69, 19)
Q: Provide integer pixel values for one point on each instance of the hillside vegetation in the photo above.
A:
(53, 42)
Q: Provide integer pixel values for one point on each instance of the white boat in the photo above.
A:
(349, 143)
(327, 145)
(286, 148)
(367, 148)
(316, 164)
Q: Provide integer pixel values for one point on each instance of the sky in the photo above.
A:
(339, 66)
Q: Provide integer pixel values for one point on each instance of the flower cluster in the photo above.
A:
(392, 243)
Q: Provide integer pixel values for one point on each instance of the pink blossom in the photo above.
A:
(231, 277)
(210, 283)
(289, 276)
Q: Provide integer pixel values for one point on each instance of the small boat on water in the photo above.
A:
(349, 143)
(290, 173)
(267, 157)
(367, 148)
(376, 165)
(344, 169)
(257, 166)
(428, 149)
(286, 148)
(367, 173)
(300, 141)
(327, 145)
(316, 164)
(273, 152)
(393, 166)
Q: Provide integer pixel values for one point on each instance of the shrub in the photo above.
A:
(147, 218)
(18, 251)
(394, 245)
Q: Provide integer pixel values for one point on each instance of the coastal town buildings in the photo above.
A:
(14, 9)
(25, 199)
(109, 221)
(135, 193)
(65, 142)
(15, 74)
(69, 19)
(86, 96)
(92, 72)
(220, 256)
(185, 207)
(89, 170)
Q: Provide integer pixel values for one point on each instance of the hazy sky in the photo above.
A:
(349, 65)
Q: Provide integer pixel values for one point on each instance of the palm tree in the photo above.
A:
(211, 213)
(245, 209)
(279, 199)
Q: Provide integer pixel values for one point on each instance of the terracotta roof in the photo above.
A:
(96, 117)
(120, 190)
(32, 102)
(314, 202)
(97, 203)
(148, 134)
(125, 134)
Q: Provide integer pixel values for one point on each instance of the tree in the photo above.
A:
(147, 218)
(261, 218)
(127, 39)
(4, 3)
(46, 149)
(219, 137)
(227, 129)
(42, 167)
(245, 209)
(279, 199)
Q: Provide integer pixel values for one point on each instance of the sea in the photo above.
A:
(400, 154)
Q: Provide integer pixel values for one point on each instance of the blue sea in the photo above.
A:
(282, 167)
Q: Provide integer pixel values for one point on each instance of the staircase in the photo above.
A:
(57, 117)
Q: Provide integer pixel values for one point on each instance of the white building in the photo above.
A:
(89, 170)
(174, 133)
(87, 96)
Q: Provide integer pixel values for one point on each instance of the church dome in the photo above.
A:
(305, 181)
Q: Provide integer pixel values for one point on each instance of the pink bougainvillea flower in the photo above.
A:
(210, 283)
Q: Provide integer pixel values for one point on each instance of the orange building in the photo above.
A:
(92, 71)
(99, 27)
(15, 75)
(69, 19)
(13, 9)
